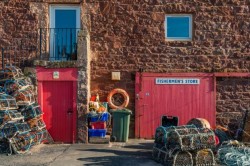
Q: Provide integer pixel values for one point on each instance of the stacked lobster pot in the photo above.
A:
(184, 146)
(21, 125)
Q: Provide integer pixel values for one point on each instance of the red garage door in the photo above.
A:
(184, 95)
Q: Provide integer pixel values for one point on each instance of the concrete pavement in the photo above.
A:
(132, 153)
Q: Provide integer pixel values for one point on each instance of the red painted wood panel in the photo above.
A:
(57, 100)
(65, 74)
(184, 101)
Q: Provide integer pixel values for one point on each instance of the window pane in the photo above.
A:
(65, 19)
(178, 27)
(64, 34)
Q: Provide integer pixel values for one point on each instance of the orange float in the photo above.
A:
(200, 123)
(113, 103)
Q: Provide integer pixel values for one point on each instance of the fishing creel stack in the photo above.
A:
(184, 145)
(204, 157)
(17, 109)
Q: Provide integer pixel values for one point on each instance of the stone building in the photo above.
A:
(131, 37)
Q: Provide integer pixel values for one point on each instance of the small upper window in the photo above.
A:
(178, 27)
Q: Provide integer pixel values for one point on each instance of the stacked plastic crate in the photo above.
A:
(98, 118)
(21, 124)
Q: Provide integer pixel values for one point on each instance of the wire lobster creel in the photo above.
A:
(10, 129)
(40, 136)
(31, 111)
(161, 132)
(36, 124)
(181, 158)
(10, 115)
(190, 138)
(172, 157)
(10, 72)
(161, 135)
(5, 146)
(205, 139)
(7, 102)
(204, 157)
(21, 143)
(160, 154)
(181, 138)
(24, 97)
(10, 86)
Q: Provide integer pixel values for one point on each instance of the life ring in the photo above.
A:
(111, 100)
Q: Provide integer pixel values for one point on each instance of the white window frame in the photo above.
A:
(52, 10)
(190, 16)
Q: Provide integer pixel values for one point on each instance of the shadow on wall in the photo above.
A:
(128, 155)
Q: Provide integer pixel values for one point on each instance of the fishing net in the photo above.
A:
(234, 154)
(7, 102)
(31, 111)
(204, 157)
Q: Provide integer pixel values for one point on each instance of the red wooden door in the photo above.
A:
(58, 109)
(186, 101)
(57, 89)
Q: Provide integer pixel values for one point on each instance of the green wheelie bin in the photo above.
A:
(121, 120)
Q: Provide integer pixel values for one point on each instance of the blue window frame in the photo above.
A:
(178, 27)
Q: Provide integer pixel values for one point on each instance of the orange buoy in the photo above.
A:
(114, 100)
(199, 122)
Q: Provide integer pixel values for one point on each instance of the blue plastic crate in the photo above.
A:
(101, 118)
(97, 132)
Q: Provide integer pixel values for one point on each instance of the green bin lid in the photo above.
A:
(121, 110)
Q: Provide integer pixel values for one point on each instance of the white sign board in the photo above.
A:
(178, 81)
(56, 75)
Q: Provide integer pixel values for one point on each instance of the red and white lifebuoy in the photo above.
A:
(118, 91)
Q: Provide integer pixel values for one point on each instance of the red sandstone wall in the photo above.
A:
(128, 35)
